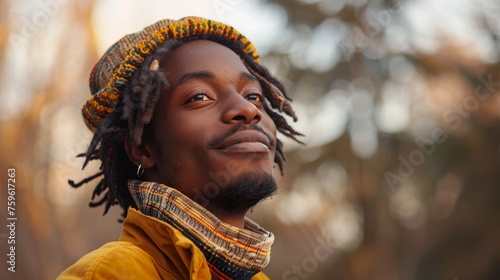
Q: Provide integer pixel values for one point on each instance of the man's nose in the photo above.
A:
(239, 109)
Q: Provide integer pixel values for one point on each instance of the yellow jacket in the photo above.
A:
(148, 249)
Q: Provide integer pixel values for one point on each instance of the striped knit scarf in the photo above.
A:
(231, 252)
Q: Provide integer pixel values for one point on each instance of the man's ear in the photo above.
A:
(140, 154)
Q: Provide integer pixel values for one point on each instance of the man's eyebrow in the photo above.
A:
(198, 75)
(248, 76)
(203, 74)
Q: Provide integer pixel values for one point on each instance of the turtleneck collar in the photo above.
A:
(231, 252)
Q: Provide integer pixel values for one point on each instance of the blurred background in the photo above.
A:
(399, 101)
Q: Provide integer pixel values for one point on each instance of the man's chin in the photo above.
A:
(245, 192)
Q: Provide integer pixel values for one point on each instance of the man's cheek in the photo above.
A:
(270, 125)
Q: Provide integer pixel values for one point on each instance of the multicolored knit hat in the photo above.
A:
(113, 71)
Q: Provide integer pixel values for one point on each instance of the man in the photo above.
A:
(184, 120)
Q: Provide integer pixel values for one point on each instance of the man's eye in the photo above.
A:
(255, 97)
(199, 97)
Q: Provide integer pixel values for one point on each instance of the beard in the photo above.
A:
(245, 192)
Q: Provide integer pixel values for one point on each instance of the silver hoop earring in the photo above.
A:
(140, 170)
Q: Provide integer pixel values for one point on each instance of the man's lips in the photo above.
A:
(247, 141)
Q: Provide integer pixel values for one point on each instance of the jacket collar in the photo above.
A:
(176, 256)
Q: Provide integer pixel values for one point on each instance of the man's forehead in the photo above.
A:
(203, 56)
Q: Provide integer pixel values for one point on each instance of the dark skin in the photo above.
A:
(210, 126)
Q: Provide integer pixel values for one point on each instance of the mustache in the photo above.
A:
(237, 128)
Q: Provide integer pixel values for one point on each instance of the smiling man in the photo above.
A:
(185, 122)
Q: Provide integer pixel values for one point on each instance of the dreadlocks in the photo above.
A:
(135, 110)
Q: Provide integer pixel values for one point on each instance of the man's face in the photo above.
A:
(210, 131)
